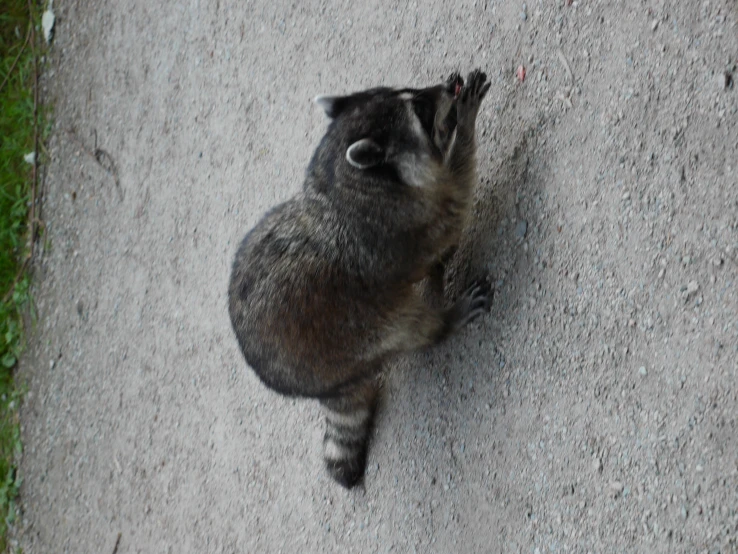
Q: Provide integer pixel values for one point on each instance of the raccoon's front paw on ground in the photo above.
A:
(475, 301)
(471, 97)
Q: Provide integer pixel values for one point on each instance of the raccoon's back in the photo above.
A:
(301, 316)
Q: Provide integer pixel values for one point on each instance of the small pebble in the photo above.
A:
(47, 24)
(521, 229)
(654, 24)
(642, 370)
(692, 287)
(727, 80)
(616, 487)
(597, 464)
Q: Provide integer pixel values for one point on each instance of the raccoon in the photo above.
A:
(324, 289)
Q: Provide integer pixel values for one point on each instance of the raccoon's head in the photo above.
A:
(407, 130)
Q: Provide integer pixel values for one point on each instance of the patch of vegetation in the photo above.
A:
(20, 40)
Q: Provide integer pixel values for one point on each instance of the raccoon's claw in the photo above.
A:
(475, 301)
(455, 83)
(470, 99)
(476, 86)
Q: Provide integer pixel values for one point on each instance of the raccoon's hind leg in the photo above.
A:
(438, 272)
(349, 418)
(473, 302)
(418, 324)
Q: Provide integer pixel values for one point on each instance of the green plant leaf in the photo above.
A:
(8, 360)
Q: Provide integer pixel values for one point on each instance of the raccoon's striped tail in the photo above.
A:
(349, 420)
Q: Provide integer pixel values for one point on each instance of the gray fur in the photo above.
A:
(322, 290)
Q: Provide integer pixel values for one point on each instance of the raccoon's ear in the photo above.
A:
(364, 153)
(332, 105)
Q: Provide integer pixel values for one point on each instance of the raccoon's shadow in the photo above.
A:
(482, 251)
(424, 389)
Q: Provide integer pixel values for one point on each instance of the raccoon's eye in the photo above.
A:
(425, 110)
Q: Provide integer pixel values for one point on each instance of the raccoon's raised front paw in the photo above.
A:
(470, 99)
(475, 301)
(455, 83)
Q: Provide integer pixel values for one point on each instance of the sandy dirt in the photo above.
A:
(594, 410)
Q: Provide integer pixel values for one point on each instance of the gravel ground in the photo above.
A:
(594, 410)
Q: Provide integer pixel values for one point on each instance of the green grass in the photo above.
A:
(18, 121)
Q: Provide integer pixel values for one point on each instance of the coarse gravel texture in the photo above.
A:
(594, 410)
